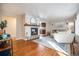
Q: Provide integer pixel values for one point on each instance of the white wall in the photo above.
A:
(77, 27)
(11, 25)
(55, 26)
(20, 30)
(59, 24)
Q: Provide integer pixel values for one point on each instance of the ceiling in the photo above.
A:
(42, 10)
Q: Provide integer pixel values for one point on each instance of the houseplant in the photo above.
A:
(3, 24)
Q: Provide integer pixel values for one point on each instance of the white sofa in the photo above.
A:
(64, 37)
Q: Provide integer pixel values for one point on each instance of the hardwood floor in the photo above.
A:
(30, 48)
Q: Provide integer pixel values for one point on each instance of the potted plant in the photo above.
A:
(3, 24)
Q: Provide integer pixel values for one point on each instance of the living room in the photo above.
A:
(41, 29)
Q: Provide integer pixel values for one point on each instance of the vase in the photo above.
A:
(1, 32)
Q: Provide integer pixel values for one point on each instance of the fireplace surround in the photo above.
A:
(31, 32)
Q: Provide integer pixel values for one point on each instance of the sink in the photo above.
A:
(64, 37)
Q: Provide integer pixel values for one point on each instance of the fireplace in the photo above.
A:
(34, 31)
(31, 32)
